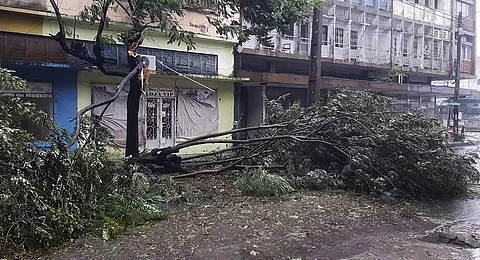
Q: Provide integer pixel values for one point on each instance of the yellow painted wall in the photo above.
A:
(225, 92)
(21, 23)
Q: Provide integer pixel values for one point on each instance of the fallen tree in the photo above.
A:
(354, 142)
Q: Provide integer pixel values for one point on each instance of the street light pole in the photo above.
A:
(456, 92)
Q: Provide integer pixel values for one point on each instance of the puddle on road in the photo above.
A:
(465, 212)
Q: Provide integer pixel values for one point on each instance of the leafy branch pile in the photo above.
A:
(354, 142)
(50, 194)
(357, 142)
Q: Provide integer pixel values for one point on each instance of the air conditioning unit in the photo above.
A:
(436, 34)
(152, 61)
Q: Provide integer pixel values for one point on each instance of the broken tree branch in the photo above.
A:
(228, 167)
(61, 38)
(98, 47)
(238, 130)
(123, 7)
(107, 102)
(217, 152)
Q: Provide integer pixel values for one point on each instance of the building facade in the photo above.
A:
(173, 107)
(392, 47)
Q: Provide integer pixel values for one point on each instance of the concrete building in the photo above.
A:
(61, 84)
(392, 47)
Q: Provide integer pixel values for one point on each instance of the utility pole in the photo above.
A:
(456, 93)
(315, 77)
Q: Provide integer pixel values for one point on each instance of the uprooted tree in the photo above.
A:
(355, 142)
(262, 17)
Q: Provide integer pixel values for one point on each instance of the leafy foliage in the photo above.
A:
(49, 195)
(10, 81)
(356, 142)
(260, 15)
(260, 183)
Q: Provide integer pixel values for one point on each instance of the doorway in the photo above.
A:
(160, 118)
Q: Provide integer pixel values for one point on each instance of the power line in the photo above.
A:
(186, 77)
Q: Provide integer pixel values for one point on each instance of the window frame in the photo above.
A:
(337, 37)
(354, 46)
(324, 34)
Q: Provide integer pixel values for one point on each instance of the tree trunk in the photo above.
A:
(133, 104)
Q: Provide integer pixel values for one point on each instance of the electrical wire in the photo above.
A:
(186, 77)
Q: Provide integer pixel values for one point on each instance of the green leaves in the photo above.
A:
(404, 154)
(49, 195)
(260, 17)
(260, 183)
(9, 81)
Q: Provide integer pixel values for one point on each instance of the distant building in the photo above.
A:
(392, 47)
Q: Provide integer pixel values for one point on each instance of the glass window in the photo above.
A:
(324, 35)
(415, 46)
(353, 40)
(339, 37)
(436, 50)
(466, 9)
(445, 51)
(370, 3)
(466, 53)
(305, 30)
(383, 4)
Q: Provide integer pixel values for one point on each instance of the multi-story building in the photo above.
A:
(173, 108)
(393, 47)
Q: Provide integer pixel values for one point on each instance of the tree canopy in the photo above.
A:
(227, 16)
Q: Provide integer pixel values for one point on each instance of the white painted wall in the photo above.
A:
(420, 12)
